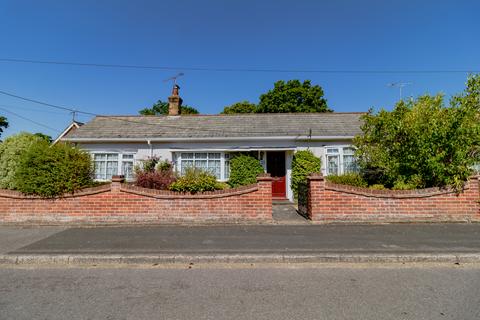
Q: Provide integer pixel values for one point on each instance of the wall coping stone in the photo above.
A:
(397, 194)
(167, 194)
(5, 193)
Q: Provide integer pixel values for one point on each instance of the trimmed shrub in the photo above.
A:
(51, 171)
(11, 149)
(195, 180)
(244, 170)
(377, 187)
(304, 163)
(351, 179)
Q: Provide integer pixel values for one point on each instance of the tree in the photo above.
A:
(293, 96)
(161, 108)
(43, 136)
(11, 149)
(3, 124)
(421, 142)
(240, 107)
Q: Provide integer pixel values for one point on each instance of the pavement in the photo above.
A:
(450, 243)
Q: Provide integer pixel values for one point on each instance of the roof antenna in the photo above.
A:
(174, 78)
(74, 115)
(400, 86)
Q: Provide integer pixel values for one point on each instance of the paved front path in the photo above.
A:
(389, 239)
(275, 293)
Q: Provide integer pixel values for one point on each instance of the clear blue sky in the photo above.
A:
(335, 35)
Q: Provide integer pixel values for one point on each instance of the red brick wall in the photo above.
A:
(328, 202)
(122, 203)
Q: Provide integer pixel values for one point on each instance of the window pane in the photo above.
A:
(201, 156)
(127, 169)
(349, 164)
(112, 157)
(214, 168)
(349, 151)
(187, 156)
(112, 169)
(332, 151)
(185, 165)
(227, 170)
(127, 156)
(100, 172)
(332, 164)
(100, 157)
(201, 164)
(214, 156)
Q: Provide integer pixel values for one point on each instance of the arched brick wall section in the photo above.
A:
(329, 202)
(122, 203)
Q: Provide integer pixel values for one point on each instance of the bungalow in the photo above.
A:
(209, 141)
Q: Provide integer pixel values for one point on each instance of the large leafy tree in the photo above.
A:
(293, 96)
(240, 107)
(161, 108)
(422, 142)
(3, 124)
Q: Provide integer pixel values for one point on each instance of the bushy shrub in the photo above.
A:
(11, 149)
(351, 179)
(244, 170)
(160, 179)
(147, 165)
(304, 163)
(195, 180)
(50, 171)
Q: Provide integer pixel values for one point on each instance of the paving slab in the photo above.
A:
(12, 238)
(395, 239)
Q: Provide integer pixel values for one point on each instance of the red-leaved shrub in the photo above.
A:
(159, 180)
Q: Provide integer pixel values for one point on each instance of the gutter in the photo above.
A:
(190, 139)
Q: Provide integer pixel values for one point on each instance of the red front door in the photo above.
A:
(276, 168)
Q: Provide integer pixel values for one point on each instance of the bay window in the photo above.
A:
(217, 163)
(107, 165)
(340, 160)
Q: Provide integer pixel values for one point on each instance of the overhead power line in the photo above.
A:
(260, 70)
(77, 111)
(30, 120)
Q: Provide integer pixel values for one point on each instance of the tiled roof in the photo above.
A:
(219, 126)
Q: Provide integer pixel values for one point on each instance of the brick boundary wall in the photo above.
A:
(121, 203)
(332, 203)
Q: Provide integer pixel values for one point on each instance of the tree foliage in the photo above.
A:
(3, 124)
(244, 170)
(51, 171)
(421, 142)
(240, 107)
(293, 96)
(304, 163)
(161, 108)
(11, 149)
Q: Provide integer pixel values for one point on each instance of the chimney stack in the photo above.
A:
(174, 102)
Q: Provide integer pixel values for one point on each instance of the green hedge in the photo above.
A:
(244, 170)
(50, 171)
(11, 149)
(304, 163)
(195, 180)
(351, 179)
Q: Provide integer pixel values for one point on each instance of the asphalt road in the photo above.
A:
(243, 293)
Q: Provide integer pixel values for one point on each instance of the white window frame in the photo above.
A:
(224, 156)
(119, 162)
(340, 154)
